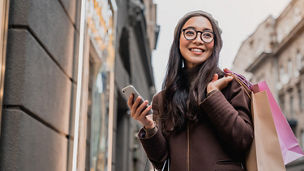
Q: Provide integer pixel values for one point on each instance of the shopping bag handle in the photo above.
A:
(242, 81)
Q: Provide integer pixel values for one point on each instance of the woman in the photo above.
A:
(201, 118)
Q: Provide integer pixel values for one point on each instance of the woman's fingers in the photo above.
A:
(140, 109)
(223, 82)
(130, 101)
(135, 105)
(144, 113)
(229, 78)
(226, 70)
(212, 85)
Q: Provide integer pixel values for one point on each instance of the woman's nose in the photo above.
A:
(198, 39)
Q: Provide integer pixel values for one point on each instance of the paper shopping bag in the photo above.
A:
(290, 147)
(265, 152)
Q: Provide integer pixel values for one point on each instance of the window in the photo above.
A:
(98, 90)
(302, 139)
(284, 76)
(289, 68)
(302, 62)
(281, 73)
(98, 125)
(251, 43)
(282, 103)
(301, 104)
(124, 52)
(299, 60)
(291, 106)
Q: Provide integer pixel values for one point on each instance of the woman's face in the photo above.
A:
(196, 51)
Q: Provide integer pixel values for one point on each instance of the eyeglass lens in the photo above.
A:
(190, 34)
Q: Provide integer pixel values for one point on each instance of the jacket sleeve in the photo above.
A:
(231, 118)
(156, 145)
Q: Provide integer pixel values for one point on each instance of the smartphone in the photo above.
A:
(130, 89)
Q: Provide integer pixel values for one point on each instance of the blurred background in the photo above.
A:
(64, 63)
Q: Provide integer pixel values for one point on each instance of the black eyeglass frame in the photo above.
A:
(196, 33)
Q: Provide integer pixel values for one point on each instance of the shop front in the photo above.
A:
(97, 95)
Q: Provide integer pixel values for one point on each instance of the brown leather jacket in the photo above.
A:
(219, 142)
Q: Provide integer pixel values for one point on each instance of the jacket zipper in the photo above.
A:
(188, 147)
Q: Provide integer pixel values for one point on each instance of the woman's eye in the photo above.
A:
(207, 35)
(190, 33)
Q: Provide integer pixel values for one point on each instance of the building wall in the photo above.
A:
(291, 81)
(259, 41)
(41, 82)
(266, 71)
(38, 85)
(150, 15)
(289, 18)
(283, 68)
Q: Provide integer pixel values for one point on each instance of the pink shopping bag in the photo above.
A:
(290, 147)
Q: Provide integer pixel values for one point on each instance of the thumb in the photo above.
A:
(229, 78)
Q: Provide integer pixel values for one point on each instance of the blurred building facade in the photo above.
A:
(275, 53)
(39, 124)
(137, 34)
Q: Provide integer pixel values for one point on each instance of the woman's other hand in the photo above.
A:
(218, 84)
(139, 112)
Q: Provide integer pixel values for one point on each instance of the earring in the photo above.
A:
(183, 64)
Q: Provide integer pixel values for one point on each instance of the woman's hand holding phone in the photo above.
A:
(140, 110)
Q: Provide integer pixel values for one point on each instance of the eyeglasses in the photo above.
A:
(191, 34)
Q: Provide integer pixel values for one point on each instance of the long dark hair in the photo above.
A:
(181, 98)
